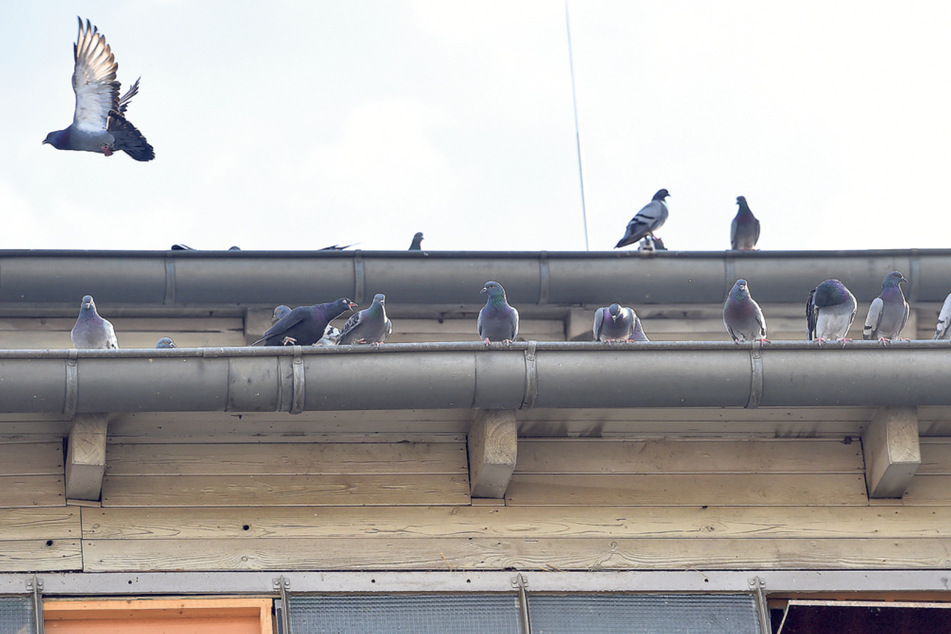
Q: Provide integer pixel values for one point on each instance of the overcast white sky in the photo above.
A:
(295, 125)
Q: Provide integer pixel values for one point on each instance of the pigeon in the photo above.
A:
(337, 247)
(370, 325)
(830, 310)
(742, 316)
(943, 329)
(304, 325)
(92, 331)
(331, 335)
(888, 312)
(614, 323)
(646, 221)
(417, 244)
(165, 342)
(744, 232)
(638, 334)
(497, 320)
(99, 123)
(279, 313)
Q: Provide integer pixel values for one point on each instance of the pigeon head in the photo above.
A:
(165, 342)
(893, 279)
(346, 303)
(830, 292)
(88, 304)
(379, 298)
(661, 194)
(740, 289)
(615, 311)
(57, 139)
(279, 313)
(740, 200)
(494, 289)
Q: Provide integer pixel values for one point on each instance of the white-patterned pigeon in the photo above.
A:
(92, 331)
(943, 329)
(646, 221)
(417, 244)
(165, 342)
(331, 335)
(889, 311)
(614, 323)
(370, 325)
(280, 312)
(99, 123)
(742, 316)
(830, 311)
(304, 325)
(744, 231)
(498, 321)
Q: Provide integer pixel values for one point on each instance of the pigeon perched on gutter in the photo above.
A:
(370, 325)
(742, 316)
(830, 310)
(943, 329)
(280, 312)
(744, 231)
(99, 123)
(92, 331)
(614, 323)
(417, 244)
(498, 321)
(330, 338)
(646, 221)
(304, 325)
(165, 342)
(889, 311)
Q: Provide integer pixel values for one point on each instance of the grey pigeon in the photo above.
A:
(943, 329)
(304, 325)
(99, 123)
(370, 325)
(614, 323)
(742, 315)
(744, 231)
(417, 244)
(639, 334)
(92, 331)
(165, 342)
(889, 311)
(646, 221)
(280, 312)
(498, 321)
(830, 310)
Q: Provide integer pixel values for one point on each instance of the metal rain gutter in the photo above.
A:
(470, 375)
(261, 278)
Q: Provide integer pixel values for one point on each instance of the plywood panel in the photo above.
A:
(39, 523)
(284, 490)
(515, 522)
(32, 491)
(665, 456)
(34, 555)
(286, 459)
(521, 554)
(667, 490)
(23, 459)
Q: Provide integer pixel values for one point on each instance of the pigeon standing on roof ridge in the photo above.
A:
(498, 321)
(369, 326)
(889, 311)
(99, 123)
(830, 311)
(742, 316)
(646, 221)
(91, 331)
(614, 323)
(744, 230)
(305, 325)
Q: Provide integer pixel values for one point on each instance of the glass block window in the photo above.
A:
(16, 615)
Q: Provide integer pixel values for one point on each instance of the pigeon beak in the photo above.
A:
(353, 305)
(44, 142)
(485, 289)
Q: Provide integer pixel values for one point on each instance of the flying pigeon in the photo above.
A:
(304, 325)
(888, 312)
(370, 325)
(165, 342)
(498, 321)
(638, 331)
(830, 310)
(99, 123)
(742, 315)
(943, 329)
(417, 244)
(614, 323)
(279, 313)
(744, 232)
(92, 331)
(646, 221)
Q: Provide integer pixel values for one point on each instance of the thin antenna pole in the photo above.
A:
(574, 102)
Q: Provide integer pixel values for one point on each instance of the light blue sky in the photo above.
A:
(294, 125)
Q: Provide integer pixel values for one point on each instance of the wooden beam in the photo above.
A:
(892, 452)
(256, 323)
(579, 324)
(86, 457)
(493, 440)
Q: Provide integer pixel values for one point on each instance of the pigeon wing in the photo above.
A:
(282, 326)
(943, 329)
(598, 321)
(94, 80)
(351, 324)
(874, 318)
(812, 315)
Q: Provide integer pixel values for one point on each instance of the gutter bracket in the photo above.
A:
(72, 384)
(544, 278)
(297, 373)
(169, 280)
(531, 377)
(519, 582)
(757, 586)
(283, 584)
(359, 277)
(756, 375)
(35, 587)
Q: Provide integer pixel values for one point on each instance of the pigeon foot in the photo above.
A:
(289, 341)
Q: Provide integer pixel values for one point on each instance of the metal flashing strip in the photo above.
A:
(531, 377)
(186, 583)
(756, 374)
